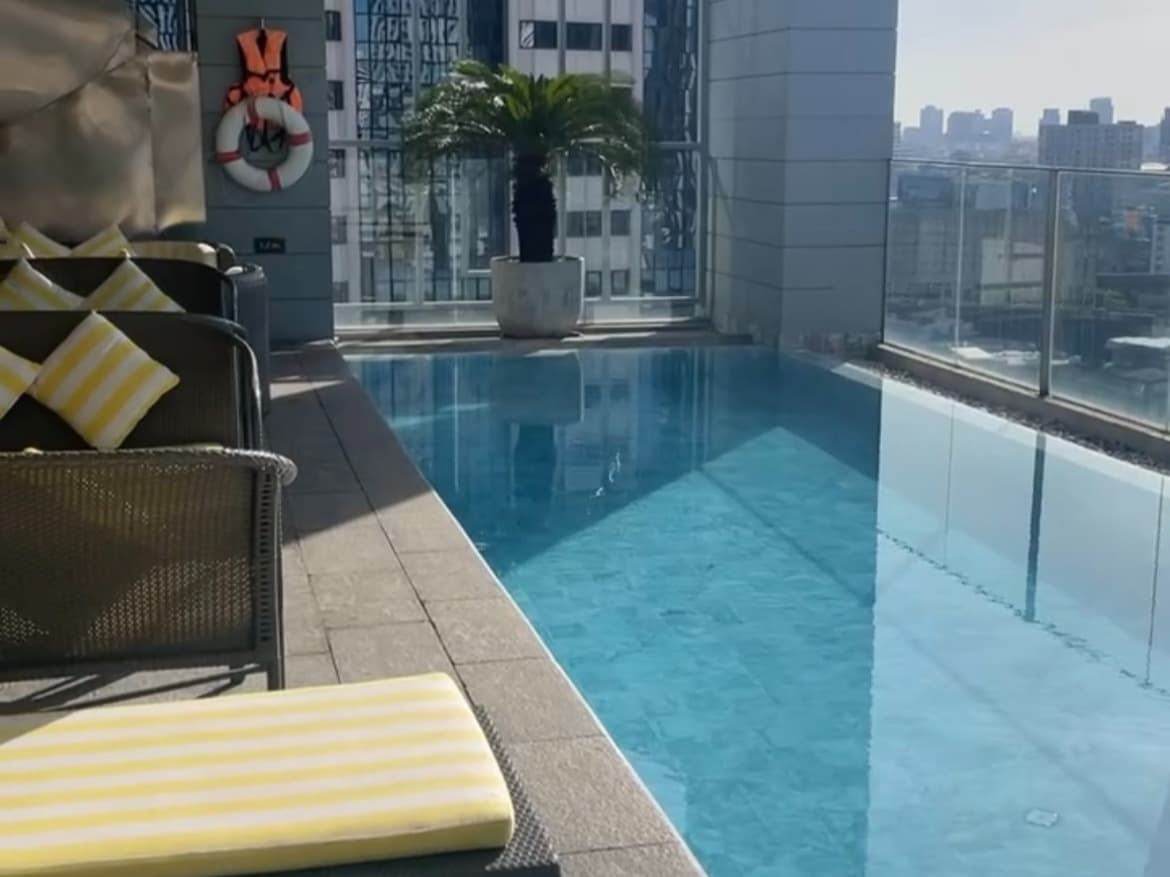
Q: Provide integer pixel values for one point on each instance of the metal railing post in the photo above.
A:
(960, 254)
(1048, 291)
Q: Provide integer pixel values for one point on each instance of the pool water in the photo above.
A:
(838, 627)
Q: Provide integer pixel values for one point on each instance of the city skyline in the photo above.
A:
(961, 56)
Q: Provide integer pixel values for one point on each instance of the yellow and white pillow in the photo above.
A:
(27, 289)
(185, 251)
(16, 376)
(101, 383)
(130, 289)
(109, 242)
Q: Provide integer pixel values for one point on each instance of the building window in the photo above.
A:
(337, 163)
(621, 38)
(538, 34)
(335, 96)
(340, 229)
(583, 36)
(593, 284)
(619, 281)
(333, 25)
(619, 223)
(340, 291)
(583, 165)
(583, 223)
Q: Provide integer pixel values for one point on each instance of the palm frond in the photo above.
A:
(482, 110)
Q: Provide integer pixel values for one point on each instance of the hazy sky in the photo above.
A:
(1031, 54)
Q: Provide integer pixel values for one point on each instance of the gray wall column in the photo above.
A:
(301, 279)
(801, 134)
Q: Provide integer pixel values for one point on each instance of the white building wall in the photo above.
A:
(800, 134)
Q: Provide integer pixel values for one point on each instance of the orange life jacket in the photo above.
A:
(264, 62)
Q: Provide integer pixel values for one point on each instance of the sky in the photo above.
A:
(1031, 54)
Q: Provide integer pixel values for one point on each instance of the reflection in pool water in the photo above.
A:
(839, 628)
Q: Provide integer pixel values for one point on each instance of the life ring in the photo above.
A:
(255, 111)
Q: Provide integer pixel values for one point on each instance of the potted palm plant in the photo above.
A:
(483, 111)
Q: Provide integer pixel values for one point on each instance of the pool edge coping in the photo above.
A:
(338, 370)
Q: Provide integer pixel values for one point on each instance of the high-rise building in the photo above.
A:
(404, 239)
(1051, 116)
(930, 123)
(1002, 125)
(1086, 143)
(1160, 249)
(1103, 107)
(966, 127)
(1164, 136)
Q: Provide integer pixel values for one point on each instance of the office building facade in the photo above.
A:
(403, 242)
(1087, 143)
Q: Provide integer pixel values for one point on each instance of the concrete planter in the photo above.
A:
(538, 299)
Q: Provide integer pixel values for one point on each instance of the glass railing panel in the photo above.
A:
(1112, 310)
(965, 265)
(406, 247)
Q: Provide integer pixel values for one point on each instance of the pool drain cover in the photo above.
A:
(1042, 818)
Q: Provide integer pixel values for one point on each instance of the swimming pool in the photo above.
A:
(838, 627)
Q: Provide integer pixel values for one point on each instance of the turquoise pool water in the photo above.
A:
(839, 628)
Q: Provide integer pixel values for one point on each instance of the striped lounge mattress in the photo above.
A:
(250, 784)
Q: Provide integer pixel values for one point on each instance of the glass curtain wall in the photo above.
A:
(171, 20)
(413, 248)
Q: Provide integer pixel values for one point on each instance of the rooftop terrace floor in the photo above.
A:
(380, 581)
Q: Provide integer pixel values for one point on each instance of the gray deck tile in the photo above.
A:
(449, 575)
(338, 535)
(528, 700)
(587, 796)
(483, 630)
(661, 860)
(309, 671)
(304, 629)
(365, 653)
(371, 597)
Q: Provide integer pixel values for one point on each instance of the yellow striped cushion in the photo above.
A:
(187, 251)
(38, 244)
(16, 376)
(101, 383)
(108, 243)
(27, 289)
(129, 289)
(253, 783)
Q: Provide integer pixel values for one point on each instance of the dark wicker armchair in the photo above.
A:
(198, 289)
(216, 401)
(133, 560)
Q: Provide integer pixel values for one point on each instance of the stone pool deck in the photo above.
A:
(380, 581)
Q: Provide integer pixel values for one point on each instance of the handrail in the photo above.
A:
(1050, 168)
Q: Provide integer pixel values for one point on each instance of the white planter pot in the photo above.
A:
(538, 299)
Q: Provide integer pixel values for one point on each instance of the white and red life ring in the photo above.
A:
(253, 112)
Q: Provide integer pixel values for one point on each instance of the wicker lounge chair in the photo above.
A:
(216, 401)
(198, 289)
(114, 562)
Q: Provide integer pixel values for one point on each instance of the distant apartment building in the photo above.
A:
(1050, 116)
(1001, 128)
(965, 127)
(1103, 107)
(401, 239)
(1087, 143)
(930, 123)
(1160, 247)
(1164, 136)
